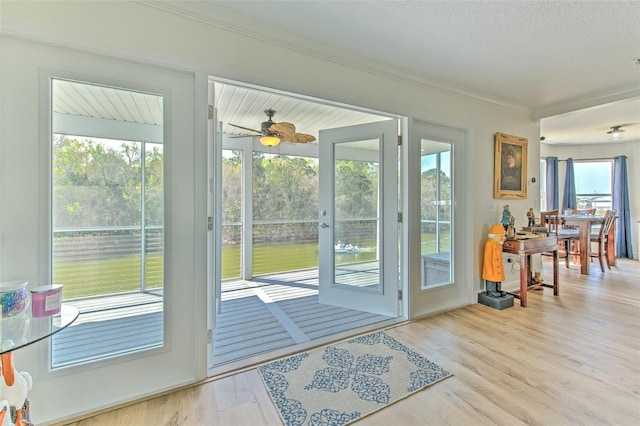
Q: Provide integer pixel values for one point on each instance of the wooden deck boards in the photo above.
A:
(265, 314)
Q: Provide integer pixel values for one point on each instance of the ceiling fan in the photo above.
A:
(273, 133)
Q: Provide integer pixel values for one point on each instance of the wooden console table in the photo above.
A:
(524, 249)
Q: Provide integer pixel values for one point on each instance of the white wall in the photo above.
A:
(132, 31)
(586, 151)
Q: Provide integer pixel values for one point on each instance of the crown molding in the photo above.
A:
(594, 100)
(55, 37)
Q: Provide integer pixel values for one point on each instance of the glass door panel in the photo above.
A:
(356, 225)
(107, 219)
(435, 212)
(358, 235)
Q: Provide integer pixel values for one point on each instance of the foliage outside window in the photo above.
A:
(435, 206)
(102, 208)
(232, 190)
(285, 209)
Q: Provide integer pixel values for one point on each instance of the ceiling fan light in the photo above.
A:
(270, 140)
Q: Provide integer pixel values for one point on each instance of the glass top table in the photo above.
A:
(24, 329)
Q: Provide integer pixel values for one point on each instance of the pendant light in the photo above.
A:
(615, 132)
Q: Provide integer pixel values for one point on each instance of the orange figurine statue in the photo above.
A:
(492, 270)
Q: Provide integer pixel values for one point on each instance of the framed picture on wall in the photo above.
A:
(510, 179)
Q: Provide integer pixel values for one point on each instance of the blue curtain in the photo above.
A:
(621, 205)
(569, 196)
(551, 186)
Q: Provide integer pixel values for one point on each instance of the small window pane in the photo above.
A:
(593, 184)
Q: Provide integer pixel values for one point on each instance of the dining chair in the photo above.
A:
(551, 220)
(573, 248)
(601, 237)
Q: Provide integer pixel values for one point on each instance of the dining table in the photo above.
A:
(584, 223)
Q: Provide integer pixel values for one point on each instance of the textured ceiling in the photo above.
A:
(548, 57)
(530, 53)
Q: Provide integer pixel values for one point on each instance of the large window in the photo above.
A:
(107, 219)
(594, 184)
(593, 179)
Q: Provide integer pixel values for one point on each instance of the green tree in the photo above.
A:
(232, 196)
(285, 189)
(154, 181)
(432, 202)
(100, 184)
(356, 189)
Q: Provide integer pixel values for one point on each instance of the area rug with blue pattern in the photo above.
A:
(340, 383)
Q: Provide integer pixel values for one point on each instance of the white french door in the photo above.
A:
(358, 217)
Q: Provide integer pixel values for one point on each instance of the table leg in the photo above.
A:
(556, 289)
(524, 280)
(585, 246)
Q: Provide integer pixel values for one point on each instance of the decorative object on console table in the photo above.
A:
(531, 217)
(511, 228)
(541, 230)
(506, 217)
(510, 167)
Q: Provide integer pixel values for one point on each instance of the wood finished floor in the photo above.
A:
(572, 359)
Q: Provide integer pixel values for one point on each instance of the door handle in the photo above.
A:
(324, 225)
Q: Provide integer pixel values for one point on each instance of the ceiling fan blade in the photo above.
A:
(245, 128)
(243, 136)
(283, 131)
(282, 127)
(303, 138)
